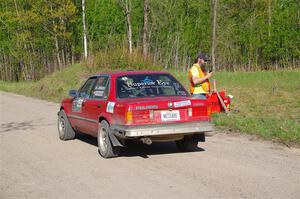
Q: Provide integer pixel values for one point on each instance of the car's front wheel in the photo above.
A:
(187, 144)
(65, 130)
(105, 147)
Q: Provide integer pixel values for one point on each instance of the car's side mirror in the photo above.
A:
(72, 93)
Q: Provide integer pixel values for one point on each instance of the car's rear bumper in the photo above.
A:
(166, 129)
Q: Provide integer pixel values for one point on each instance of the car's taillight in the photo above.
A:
(128, 117)
(190, 112)
(151, 114)
(208, 110)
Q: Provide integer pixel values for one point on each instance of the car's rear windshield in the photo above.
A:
(148, 85)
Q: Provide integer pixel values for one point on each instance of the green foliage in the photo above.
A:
(259, 34)
(33, 32)
(38, 37)
(106, 23)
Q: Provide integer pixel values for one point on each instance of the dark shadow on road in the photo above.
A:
(25, 125)
(139, 149)
(156, 148)
(87, 139)
(13, 126)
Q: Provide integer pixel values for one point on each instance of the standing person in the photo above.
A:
(199, 77)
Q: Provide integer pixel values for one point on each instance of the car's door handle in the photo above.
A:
(99, 105)
(83, 102)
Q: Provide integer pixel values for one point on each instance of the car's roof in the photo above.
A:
(121, 73)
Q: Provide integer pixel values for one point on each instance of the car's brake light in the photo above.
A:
(190, 112)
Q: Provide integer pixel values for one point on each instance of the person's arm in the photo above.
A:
(199, 80)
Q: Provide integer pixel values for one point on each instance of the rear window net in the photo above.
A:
(149, 85)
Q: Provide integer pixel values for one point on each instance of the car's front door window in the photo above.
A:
(86, 89)
(83, 93)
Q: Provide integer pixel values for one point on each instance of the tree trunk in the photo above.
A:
(176, 58)
(31, 56)
(213, 46)
(3, 68)
(73, 57)
(57, 52)
(44, 63)
(63, 57)
(84, 31)
(56, 43)
(128, 18)
(269, 17)
(64, 44)
(145, 31)
(9, 68)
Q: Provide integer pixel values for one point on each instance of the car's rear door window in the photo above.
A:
(149, 85)
(101, 88)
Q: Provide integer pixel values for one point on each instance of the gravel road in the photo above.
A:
(35, 164)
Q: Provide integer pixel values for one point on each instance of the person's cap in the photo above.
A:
(203, 56)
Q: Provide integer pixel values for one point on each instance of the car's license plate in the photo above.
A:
(167, 116)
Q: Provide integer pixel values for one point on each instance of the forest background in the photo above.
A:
(38, 37)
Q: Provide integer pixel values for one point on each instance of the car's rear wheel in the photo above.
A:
(187, 144)
(105, 147)
(65, 130)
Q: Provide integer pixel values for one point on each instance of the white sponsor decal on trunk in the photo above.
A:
(182, 103)
(110, 107)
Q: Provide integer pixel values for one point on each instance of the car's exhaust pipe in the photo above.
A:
(146, 140)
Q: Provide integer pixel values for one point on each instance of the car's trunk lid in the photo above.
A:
(159, 110)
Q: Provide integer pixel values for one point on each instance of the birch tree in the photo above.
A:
(84, 31)
(269, 17)
(145, 30)
(213, 45)
(128, 19)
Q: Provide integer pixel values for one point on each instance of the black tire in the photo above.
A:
(187, 144)
(105, 147)
(65, 130)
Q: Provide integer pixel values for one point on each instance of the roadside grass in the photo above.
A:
(265, 103)
(52, 88)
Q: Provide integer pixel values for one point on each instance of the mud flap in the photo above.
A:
(199, 137)
(114, 140)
